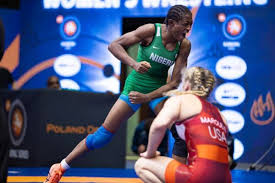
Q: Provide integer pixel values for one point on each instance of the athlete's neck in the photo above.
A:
(167, 37)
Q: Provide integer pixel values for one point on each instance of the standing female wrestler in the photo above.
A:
(161, 45)
(201, 125)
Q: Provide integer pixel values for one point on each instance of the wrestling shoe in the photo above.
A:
(55, 174)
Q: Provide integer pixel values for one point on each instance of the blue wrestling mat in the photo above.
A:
(108, 175)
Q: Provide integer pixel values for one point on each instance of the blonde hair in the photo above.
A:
(202, 82)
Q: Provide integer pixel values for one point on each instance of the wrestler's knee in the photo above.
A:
(98, 139)
(139, 165)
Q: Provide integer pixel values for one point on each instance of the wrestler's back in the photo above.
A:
(205, 136)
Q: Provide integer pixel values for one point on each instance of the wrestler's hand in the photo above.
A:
(142, 66)
(137, 98)
(148, 155)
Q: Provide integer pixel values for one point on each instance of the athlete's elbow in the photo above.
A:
(115, 48)
(111, 47)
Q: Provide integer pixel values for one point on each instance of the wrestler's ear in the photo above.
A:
(171, 22)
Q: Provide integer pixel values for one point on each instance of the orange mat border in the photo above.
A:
(75, 179)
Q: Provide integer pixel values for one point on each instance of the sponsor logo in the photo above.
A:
(69, 84)
(231, 67)
(67, 129)
(70, 28)
(234, 119)
(156, 47)
(230, 94)
(262, 113)
(67, 65)
(17, 121)
(67, 44)
(231, 45)
(234, 27)
(19, 153)
(238, 149)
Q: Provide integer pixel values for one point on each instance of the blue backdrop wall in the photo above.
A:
(233, 39)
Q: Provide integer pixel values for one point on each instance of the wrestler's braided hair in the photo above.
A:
(202, 81)
(176, 13)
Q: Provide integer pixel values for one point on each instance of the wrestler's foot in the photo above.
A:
(55, 174)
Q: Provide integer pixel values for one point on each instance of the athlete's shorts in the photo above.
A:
(203, 171)
(153, 103)
(177, 172)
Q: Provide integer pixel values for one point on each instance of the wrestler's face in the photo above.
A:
(181, 28)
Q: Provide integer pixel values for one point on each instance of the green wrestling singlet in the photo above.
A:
(160, 59)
